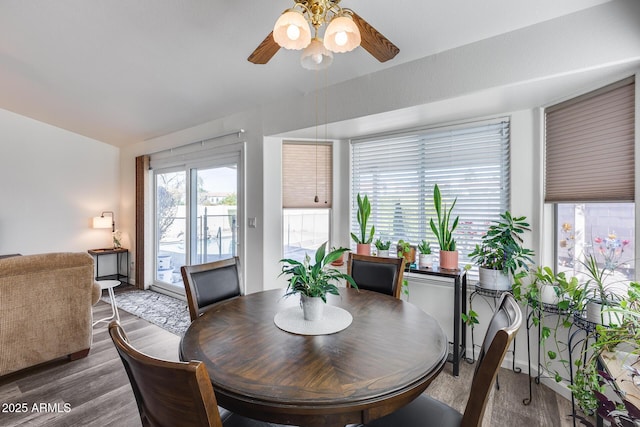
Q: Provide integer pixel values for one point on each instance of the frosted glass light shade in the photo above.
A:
(291, 31)
(102, 222)
(316, 56)
(342, 35)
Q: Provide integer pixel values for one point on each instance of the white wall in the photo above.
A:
(52, 182)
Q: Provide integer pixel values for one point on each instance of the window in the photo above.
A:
(605, 230)
(398, 173)
(307, 182)
(589, 177)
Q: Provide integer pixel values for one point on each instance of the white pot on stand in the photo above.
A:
(312, 307)
(494, 279)
(599, 313)
(548, 295)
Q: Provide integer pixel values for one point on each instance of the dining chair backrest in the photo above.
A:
(167, 393)
(379, 274)
(501, 331)
(209, 283)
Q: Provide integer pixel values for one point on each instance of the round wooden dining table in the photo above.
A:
(383, 360)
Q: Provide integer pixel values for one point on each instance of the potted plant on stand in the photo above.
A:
(424, 259)
(313, 281)
(593, 388)
(382, 247)
(363, 241)
(501, 255)
(404, 249)
(602, 290)
(443, 232)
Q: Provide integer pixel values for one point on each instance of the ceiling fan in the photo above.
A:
(345, 31)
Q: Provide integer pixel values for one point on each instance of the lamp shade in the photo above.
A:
(316, 56)
(102, 222)
(292, 30)
(342, 35)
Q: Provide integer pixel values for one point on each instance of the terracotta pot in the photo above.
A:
(449, 260)
(363, 249)
(339, 261)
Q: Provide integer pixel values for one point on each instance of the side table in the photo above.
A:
(119, 252)
(109, 285)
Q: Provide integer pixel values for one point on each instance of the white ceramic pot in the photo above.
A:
(599, 314)
(383, 253)
(494, 279)
(425, 260)
(548, 295)
(312, 307)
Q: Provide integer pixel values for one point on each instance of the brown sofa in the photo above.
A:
(45, 308)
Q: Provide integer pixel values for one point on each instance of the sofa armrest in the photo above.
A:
(96, 293)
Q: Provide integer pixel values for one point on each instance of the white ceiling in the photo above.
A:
(123, 71)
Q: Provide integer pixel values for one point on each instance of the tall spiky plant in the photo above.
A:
(442, 231)
(364, 211)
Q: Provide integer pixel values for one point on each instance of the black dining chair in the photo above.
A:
(173, 393)
(426, 411)
(209, 283)
(379, 274)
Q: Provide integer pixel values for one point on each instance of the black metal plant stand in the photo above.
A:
(582, 325)
(491, 297)
(539, 310)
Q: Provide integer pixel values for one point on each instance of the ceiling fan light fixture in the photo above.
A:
(342, 34)
(316, 56)
(291, 30)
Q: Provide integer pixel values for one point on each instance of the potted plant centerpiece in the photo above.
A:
(501, 255)
(424, 259)
(444, 232)
(382, 247)
(363, 240)
(313, 280)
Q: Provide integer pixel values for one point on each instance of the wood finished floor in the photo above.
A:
(99, 394)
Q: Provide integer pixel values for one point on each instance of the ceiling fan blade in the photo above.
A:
(374, 42)
(265, 51)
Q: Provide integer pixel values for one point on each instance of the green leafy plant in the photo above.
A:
(314, 279)
(470, 318)
(405, 288)
(552, 336)
(501, 247)
(600, 284)
(424, 247)
(403, 247)
(442, 230)
(364, 211)
(587, 387)
(382, 245)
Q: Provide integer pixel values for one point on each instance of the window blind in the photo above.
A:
(307, 172)
(589, 146)
(398, 173)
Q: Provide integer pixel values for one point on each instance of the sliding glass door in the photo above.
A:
(215, 213)
(196, 215)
